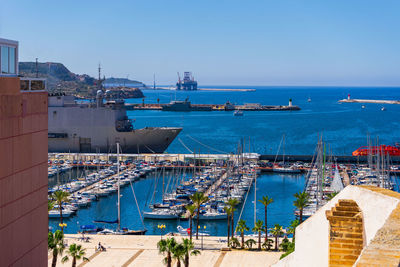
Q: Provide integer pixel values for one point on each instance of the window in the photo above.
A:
(4, 59)
(12, 60)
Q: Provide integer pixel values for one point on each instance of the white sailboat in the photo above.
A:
(123, 231)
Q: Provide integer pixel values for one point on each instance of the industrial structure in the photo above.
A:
(188, 83)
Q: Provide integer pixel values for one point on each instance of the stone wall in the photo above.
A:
(345, 234)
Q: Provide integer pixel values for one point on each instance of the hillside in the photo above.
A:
(59, 78)
(121, 81)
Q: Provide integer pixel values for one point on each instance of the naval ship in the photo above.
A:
(88, 127)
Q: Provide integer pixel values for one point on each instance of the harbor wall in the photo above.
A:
(312, 236)
(23, 175)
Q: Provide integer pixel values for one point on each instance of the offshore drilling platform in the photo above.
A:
(188, 83)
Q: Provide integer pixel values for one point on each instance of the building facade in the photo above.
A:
(23, 165)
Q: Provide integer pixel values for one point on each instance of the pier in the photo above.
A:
(202, 158)
(372, 101)
(213, 107)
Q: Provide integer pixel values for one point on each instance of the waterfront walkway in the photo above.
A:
(142, 251)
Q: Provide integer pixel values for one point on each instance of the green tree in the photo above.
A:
(290, 249)
(189, 250)
(232, 203)
(277, 231)
(77, 253)
(258, 227)
(292, 228)
(301, 202)
(178, 253)
(242, 227)
(234, 242)
(50, 205)
(268, 244)
(228, 212)
(166, 246)
(191, 209)
(198, 199)
(250, 242)
(55, 244)
(60, 197)
(266, 201)
(331, 195)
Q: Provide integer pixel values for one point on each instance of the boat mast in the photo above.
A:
(119, 204)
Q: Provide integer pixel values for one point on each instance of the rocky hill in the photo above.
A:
(60, 79)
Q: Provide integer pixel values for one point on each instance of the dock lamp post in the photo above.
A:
(205, 227)
(62, 225)
(162, 228)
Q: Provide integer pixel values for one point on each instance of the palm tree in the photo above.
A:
(60, 197)
(50, 205)
(55, 243)
(249, 243)
(331, 195)
(277, 232)
(301, 202)
(232, 203)
(292, 228)
(178, 253)
(77, 253)
(189, 250)
(242, 227)
(166, 246)
(198, 199)
(191, 209)
(228, 212)
(266, 201)
(258, 227)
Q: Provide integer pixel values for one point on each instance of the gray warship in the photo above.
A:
(88, 127)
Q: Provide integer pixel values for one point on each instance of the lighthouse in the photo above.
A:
(290, 102)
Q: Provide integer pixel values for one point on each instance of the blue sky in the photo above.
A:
(222, 42)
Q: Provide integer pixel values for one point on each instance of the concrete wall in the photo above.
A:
(23, 176)
(312, 236)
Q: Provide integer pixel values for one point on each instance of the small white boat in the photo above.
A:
(160, 214)
(238, 113)
(184, 231)
(383, 108)
(286, 170)
(56, 213)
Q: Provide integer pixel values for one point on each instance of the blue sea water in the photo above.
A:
(343, 126)
(280, 187)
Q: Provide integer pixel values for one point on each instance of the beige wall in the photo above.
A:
(23, 176)
(312, 236)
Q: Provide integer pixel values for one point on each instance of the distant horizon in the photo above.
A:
(277, 43)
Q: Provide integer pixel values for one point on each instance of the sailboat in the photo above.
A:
(283, 168)
(124, 230)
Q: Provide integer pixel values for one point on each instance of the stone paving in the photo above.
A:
(142, 251)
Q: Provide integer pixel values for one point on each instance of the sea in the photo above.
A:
(343, 126)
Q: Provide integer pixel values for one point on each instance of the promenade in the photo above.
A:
(142, 251)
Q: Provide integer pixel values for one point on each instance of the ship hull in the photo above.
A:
(78, 129)
(146, 140)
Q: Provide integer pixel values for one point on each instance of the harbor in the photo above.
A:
(159, 187)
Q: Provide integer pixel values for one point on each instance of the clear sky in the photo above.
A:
(223, 42)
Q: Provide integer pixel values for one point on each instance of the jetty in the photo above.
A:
(187, 106)
(371, 101)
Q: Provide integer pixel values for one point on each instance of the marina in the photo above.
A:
(163, 187)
